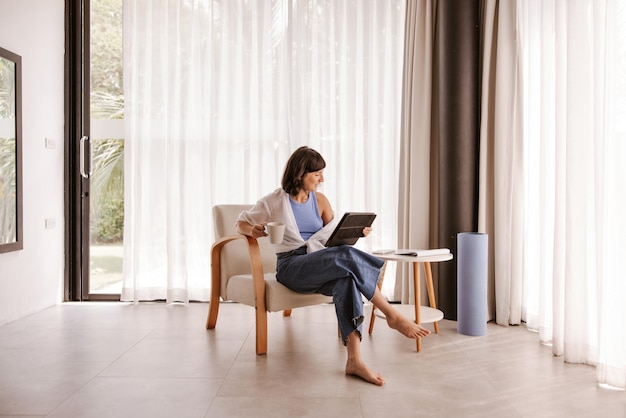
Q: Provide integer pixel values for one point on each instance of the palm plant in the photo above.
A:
(107, 102)
(107, 181)
(8, 202)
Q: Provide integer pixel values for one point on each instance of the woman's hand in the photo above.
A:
(258, 230)
(367, 230)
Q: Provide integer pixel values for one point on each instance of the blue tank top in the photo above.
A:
(307, 216)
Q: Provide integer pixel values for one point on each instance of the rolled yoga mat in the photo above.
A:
(472, 256)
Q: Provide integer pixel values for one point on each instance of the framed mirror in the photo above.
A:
(11, 234)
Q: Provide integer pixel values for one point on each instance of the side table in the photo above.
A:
(423, 314)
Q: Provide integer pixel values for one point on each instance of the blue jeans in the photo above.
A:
(343, 272)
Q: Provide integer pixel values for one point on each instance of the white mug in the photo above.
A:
(276, 231)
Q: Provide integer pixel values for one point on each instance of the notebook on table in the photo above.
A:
(414, 253)
(350, 228)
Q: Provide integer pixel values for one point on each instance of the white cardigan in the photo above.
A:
(275, 207)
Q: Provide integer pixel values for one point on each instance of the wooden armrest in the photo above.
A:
(256, 267)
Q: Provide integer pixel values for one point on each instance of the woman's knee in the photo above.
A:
(347, 251)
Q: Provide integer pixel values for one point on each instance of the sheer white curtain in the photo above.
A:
(219, 93)
(572, 277)
(414, 215)
(501, 186)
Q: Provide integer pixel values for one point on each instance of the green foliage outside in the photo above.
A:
(8, 199)
(110, 227)
(107, 102)
(107, 191)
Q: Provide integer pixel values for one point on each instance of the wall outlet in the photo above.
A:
(51, 223)
(51, 143)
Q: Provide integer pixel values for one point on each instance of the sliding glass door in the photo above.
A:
(106, 211)
(95, 150)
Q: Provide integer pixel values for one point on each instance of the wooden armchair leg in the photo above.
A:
(214, 307)
(212, 317)
(261, 331)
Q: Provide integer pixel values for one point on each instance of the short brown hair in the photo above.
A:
(303, 160)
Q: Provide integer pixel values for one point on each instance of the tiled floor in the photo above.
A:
(157, 360)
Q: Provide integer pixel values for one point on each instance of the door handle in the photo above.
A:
(85, 157)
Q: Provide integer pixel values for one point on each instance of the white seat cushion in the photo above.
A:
(277, 296)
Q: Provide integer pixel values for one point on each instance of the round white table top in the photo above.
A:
(394, 256)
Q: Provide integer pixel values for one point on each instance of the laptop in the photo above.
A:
(350, 228)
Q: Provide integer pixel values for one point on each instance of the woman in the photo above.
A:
(343, 272)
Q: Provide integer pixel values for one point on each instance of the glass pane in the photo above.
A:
(8, 167)
(106, 217)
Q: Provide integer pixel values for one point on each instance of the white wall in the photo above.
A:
(32, 279)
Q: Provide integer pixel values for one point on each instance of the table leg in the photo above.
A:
(380, 286)
(431, 291)
(417, 294)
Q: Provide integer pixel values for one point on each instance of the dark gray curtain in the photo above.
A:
(455, 136)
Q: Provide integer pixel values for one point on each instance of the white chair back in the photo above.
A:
(235, 258)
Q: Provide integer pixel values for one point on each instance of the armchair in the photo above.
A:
(243, 270)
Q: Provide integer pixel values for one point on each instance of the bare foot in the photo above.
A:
(407, 327)
(358, 369)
